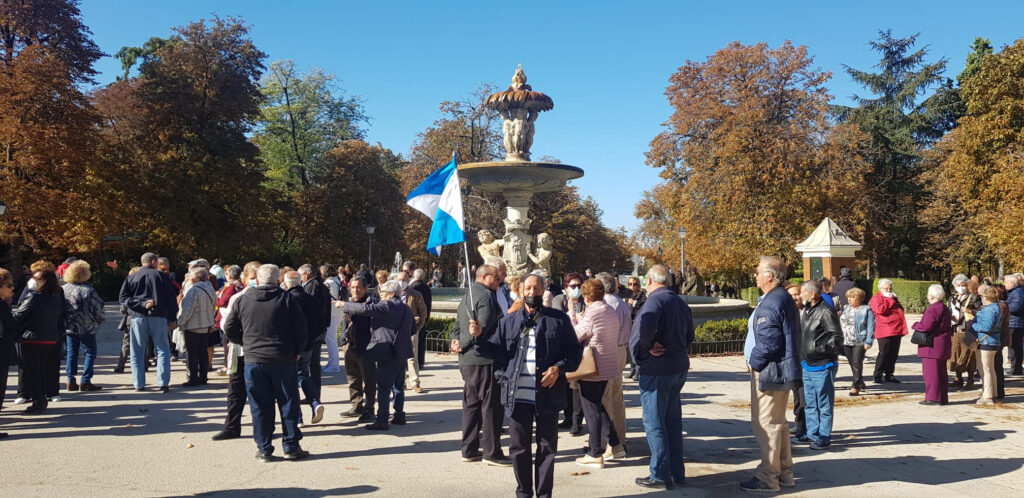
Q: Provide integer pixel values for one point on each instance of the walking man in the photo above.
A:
(149, 296)
(772, 354)
(660, 341)
(311, 310)
(269, 324)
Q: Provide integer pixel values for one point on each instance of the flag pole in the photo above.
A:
(465, 246)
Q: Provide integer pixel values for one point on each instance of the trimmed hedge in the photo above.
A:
(440, 324)
(750, 295)
(721, 330)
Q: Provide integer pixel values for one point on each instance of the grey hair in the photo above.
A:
(292, 279)
(884, 281)
(543, 281)
(1011, 276)
(936, 292)
(201, 273)
(418, 274)
(608, 280)
(391, 287)
(495, 261)
(775, 266)
(658, 274)
(164, 261)
(486, 269)
(960, 278)
(812, 287)
(1020, 277)
(268, 274)
(233, 272)
(148, 259)
(306, 269)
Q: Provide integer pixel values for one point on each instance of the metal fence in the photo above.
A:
(439, 341)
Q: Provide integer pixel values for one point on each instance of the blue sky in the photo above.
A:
(605, 63)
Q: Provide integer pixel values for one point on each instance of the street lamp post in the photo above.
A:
(369, 231)
(3, 208)
(682, 250)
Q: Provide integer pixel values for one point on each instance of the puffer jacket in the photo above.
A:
(41, 317)
(198, 307)
(83, 308)
(890, 321)
(1015, 301)
(776, 326)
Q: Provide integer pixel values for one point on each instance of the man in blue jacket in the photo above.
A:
(773, 356)
(660, 342)
(150, 298)
(1015, 301)
(534, 347)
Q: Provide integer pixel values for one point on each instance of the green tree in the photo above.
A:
(900, 127)
(303, 116)
(130, 56)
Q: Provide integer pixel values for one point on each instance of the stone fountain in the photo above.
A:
(517, 178)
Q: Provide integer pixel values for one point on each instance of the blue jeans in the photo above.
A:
(390, 381)
(146, 329)
(663, 422)
(820, 395)
(309, 375)
(87, 342)
(265, 384)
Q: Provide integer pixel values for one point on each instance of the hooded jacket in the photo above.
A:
(268, 323)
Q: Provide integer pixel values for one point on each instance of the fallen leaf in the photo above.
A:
(584, 473)
(190, 446)
(351, 468)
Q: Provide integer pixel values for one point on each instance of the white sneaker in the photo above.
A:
(54, 399)
(20, 400)
(318, 414)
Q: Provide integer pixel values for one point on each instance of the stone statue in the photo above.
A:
(489, 246)
(542, 258)
(517, 247)
(519, 106)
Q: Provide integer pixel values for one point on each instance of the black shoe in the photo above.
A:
(140, 389)
(398, 419)
(376, 426)
(878, 380)
(3, 435)
(192, 383)
(298, 454)
(367, 417)
(35, 409)
(647, 482)
(565, 424)
(893, 380)
(354, 412)
(119, 370)
(165, 389)
(679, 482)
(225, 435)
(263, 457)
(576, 430)
(755, 485)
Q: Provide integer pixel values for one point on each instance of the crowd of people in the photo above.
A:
(529, 351)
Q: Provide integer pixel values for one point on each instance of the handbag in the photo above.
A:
(588, 366)
(382, 345)
(922, 339)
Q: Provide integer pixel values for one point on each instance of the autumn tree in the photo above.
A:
(750, 159)
(900, 127)
(47, 126)
(979, 162)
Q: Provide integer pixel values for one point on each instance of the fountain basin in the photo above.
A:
(502, 176)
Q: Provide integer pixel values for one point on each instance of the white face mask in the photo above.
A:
(575, 293)
(961, 289)
(513, 295)
(33, 284)
(887, 293)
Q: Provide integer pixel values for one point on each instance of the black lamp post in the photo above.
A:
(369, 231)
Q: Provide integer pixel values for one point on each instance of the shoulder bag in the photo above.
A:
(588, 366)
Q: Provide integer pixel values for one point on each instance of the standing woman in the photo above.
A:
(84, 309)
(598, 327)
(8, 331)
(858, 323)
(890, 327)
(937, 322)
(41, 316)
(963, 306)
(988, 327)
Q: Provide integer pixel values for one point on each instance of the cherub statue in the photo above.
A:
(489, 246)
(542, 258)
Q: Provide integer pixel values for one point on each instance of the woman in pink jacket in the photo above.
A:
(890, 327)
(598, 327)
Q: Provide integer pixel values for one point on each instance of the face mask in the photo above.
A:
(961, 289)
(808, 304)
(33, 284)
(575, 293)
(404, 284)
(887, 294)
(533, 302)
(252, 283)
(514, 296)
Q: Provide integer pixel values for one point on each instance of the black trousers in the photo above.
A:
(41, 363)
(126, 348)
(1000, 375)
(6, 349)
(855, 355)
(422, 345)
(198, 359)
(237, 398)
(362, 380)
(1016, 350)
(481, 410)
(573, 409)
(599, 423)
(527, 470)
(799, 417)
(888, 352)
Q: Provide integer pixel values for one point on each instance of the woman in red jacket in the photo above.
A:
(890, 327)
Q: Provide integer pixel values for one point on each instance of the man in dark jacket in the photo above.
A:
(151, 300)
(773, 336)
(420, 286)
(392, 324)
(821, 340)
(660, 342)
(360, 370)
(314, 285)
(842, 285)
(270, 325)
(308, 382)
(534, 347)
(1015, 301)
(476, 320)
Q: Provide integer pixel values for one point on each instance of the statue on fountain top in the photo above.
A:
(519, 106)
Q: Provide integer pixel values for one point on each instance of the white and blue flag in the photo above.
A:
(440, 198)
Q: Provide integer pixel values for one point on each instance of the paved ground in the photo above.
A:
(122, 443)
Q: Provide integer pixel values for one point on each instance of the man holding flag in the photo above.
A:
(440, 198)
